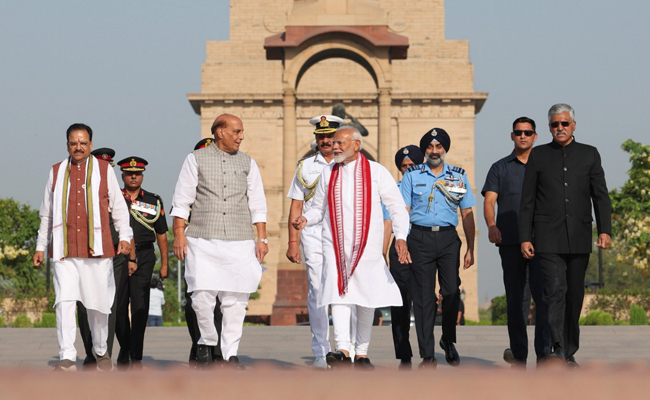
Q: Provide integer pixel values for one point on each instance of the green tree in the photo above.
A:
(18, 231)
(499, 310)
(631, 210)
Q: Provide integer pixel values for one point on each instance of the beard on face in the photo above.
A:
(340, 156)
(434, 159)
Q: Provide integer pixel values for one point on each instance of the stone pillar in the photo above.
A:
(290, 304)
(384, 134)
(289, 148)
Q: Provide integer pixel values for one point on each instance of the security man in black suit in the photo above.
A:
(120, 273)
(562, 180)
(149, 225)
(190, 314)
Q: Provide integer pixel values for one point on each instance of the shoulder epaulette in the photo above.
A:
(458, 169)
(413, 168)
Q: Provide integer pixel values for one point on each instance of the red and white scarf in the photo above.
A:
(362, 207)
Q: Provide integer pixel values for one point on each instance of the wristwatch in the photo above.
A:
(135, 260)
(265, 241)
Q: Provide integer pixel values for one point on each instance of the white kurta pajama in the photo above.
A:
(227, 269)
(371, 285)
(88, 280)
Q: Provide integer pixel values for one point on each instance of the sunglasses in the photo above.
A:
(555, 124)
(519, 132)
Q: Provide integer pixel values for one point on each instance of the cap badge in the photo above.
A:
(405, 151)
(133, 163)
(104, 156)
(434, 133)
(323, 122)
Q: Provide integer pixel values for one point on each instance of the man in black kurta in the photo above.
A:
(562, 181)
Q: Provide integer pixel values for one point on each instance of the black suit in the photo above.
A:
(560, 185)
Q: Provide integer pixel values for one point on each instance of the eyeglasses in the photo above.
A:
(555, 124)
(519, 132)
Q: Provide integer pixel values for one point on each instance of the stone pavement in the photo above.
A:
(289, 347)
(614, 363)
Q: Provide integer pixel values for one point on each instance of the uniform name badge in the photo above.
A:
(144, 208)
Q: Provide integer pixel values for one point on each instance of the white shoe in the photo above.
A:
(320, 363)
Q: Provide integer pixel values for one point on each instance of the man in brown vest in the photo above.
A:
(75, 212)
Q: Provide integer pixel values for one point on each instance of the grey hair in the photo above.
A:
(560, 108)
(356, 135)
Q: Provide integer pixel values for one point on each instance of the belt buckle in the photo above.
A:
(435, 228)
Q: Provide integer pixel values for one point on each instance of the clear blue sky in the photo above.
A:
(125, 67)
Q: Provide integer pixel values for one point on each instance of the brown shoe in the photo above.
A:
(104, 363)
(65, 366)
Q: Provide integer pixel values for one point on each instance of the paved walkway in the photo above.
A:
(614, 359)
(289, 347)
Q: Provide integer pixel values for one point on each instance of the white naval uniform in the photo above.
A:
(371, 285)
(88, 280)
(227, 269)
(312, 249)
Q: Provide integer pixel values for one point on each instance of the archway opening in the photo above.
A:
(336, 53)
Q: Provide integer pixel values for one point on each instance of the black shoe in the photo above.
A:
(89, 364)
(451, 355)
(555, 358)
(233, 362)
(508, 356)
(338, 359)
(363, 363)
(405, 364)
(428, 363)
(90, 360)
(572, 363)
(204, 355)
(123, 358)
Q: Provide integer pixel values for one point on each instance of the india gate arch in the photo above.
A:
(394, 71)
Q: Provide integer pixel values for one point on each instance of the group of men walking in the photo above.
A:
(341, 205)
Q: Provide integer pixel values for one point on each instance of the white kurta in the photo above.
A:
(371, 284)
(221, 265)
(89, 280)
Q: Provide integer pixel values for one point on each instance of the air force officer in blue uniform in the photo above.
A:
(433, 192)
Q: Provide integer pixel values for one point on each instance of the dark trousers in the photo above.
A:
(401, 316)
(120, 272)
(193, 326)
(515, 270)
(137, 294)
(564, 292)
(433, 252)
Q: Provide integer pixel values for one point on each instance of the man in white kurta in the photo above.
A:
(223, 188)
(369, 285)
(301, 193)
(80, 195)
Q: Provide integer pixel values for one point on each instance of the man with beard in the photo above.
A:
(562, 180)
(405, 158)
(78, 195)
(149, 225)
(433, 192)
(349, 197)
(503, 187)
(302, 193)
